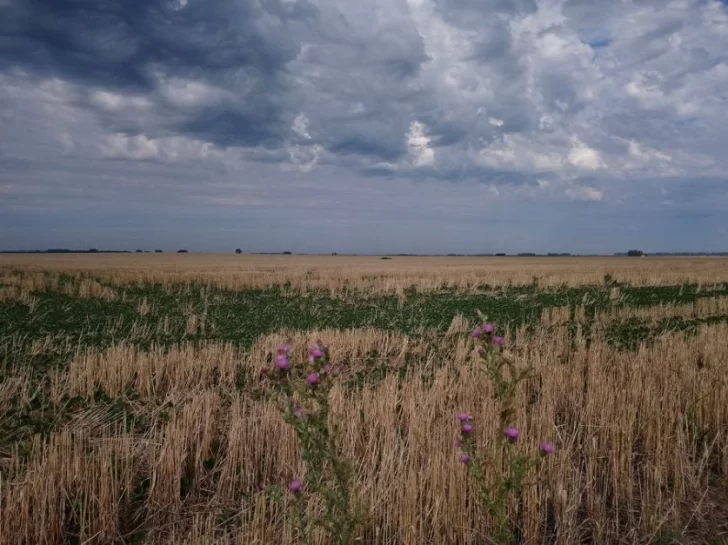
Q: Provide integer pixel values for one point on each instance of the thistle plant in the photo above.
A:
(329, 473)
(506, 487)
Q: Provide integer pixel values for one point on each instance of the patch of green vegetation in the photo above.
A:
(630, 333)
(242, 317)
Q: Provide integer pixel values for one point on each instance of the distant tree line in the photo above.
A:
(68, 251)
(65, 251)
(630, 253)
(678, 254)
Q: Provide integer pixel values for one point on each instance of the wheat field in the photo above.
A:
(375, 275)
(134, 407)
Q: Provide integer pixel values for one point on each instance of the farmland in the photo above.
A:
(133, 406)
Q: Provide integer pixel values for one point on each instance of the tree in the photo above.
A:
(157, 251)
(139, 251)
(238, 251)
(181, 251)
(635, 253)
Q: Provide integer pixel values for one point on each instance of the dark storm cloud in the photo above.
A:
(115, 43)
(126, 45)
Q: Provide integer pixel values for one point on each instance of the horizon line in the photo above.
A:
(375, 254)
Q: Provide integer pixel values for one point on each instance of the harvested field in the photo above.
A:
(133, 406)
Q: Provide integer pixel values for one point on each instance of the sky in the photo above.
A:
(375, 126)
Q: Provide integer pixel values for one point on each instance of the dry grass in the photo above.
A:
(369, 274)
(708, 307)
(152, 374)
(641, 440)
(10, 294)
(184, 441)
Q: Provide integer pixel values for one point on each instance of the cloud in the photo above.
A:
(139, 147)
(583, 156)
(215, 72)
(541, 106)
(420, 149)
(584, 193)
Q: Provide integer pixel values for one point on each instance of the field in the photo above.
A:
(132, 406)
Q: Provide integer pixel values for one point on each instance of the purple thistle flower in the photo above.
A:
(498, 340)
(476, 333)
(464, 459)
(459, 443)
(467, 428)
(284, 349)
(312, 379)
(465, 417)
(488, 329)
(282, 362)
(317, 354)
(546, 449)
(326, 369)
(512, 434)
(295, 487)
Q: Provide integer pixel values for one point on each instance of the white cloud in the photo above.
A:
(300, 126)
(420, 152)
(121, 146)
(140, 147)
(516, 151)
(304, 158)
(643, 153)
(650, 95)
(583, 156)
(118, 102)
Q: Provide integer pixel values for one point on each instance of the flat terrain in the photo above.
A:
(131, 408)
(374, 274)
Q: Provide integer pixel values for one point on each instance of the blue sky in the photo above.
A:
(423, 126)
